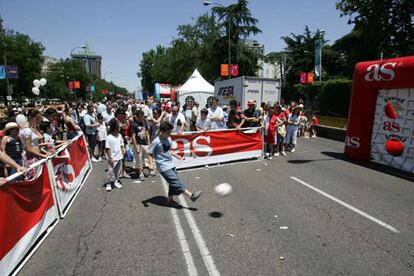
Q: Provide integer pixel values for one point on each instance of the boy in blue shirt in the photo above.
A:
(160, 149)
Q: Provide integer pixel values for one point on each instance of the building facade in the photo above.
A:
(91, 60)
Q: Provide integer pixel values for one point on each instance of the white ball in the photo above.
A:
(223, 189)
(36, 83)
(43, 81)
(36, 91)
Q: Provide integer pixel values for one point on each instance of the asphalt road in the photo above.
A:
(310, 213)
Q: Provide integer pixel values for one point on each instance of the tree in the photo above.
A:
(20, 50)
(387, 25)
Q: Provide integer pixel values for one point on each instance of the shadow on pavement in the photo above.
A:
(162, 201)
(372, 165)
(215, 214)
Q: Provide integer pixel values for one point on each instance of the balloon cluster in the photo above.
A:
(37, 84)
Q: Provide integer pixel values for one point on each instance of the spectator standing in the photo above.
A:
(176, 119)
(236, 117)
(90, 130)
(12, 146)
(280, 131)
(252, 116)
(269, 131)
(225, 115)
(108, 114)
(101, 107)
(195, 114)
(155, 122)
(102, 134)
(314, 125)
(215, 114)
(203, 123)
(115, 152)
(71, 126)
(292, 129)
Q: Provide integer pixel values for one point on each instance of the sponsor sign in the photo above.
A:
(202, 148)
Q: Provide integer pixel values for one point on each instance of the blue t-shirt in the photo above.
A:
(160, 149)
(89, 120)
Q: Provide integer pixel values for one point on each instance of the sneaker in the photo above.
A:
(276, 154)
(125, 175)
(100, 159)
(141, 177)
(152, 173)
(292, 150)
(117, 184)
(283, 153)
(108, 187)
(313, 136)
(270, 158)
(195, 195)
(93, 159)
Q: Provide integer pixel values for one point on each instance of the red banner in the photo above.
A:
(303, 77)
(70, 84)
(201, 148)
(27, 209)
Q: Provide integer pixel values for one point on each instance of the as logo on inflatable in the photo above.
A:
(352, 142)
(375, 72)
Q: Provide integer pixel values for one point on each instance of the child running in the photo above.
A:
(160, 149)
(115, 151)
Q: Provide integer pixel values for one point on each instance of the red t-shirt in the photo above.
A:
(315, 121)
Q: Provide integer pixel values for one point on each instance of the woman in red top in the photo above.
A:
(270, 130)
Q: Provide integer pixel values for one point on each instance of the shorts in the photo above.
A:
(175, 186)
(140, 157)
(280, 139)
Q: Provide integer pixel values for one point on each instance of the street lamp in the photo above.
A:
(105, 74)
(207, 3)
(322, 32)
(73, 77)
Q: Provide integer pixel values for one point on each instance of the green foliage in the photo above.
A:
(204, 46)
(20, 50)
(387, 26)
(332, 96)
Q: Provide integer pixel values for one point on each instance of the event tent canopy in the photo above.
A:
(197, 89)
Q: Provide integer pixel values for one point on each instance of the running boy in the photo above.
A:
(115, 152)
(160, 149)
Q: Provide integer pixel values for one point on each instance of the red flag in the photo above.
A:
(310, 78)
(70, 84)
(234, 70)
(224, 70)
(303, 78)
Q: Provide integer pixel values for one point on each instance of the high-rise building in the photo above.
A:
(91, 60)
(255, 46)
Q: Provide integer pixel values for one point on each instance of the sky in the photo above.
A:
(121, 30)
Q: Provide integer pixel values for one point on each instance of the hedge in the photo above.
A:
(332, 96)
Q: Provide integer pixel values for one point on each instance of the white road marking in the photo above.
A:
(356, 210)
(192, 270)
(205, 253)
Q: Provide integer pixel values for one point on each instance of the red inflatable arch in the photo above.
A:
(381, 115)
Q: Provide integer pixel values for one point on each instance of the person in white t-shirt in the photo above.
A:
(108, 114)
(177, 119)
(115, 151)
(102, 133)
(203, 123)
(216, 115)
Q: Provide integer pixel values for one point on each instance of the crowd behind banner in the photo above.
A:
(31, 133)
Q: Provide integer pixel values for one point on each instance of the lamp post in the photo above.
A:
(105, 74)
(322, 32)
(208, 3)
(73, 77)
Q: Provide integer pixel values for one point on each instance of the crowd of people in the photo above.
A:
(123, 130)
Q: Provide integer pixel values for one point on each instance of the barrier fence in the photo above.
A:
(30, 209)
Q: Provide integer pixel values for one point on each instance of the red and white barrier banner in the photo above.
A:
(27, 211)
(203, 148)
(71, 168)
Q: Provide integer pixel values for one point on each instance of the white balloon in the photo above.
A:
(43, 81)
(21, 120)
(223, 189)
(36, 83)
(36, 91)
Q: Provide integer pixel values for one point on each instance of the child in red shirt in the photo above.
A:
(314, 125)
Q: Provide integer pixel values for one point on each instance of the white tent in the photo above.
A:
(196, 88)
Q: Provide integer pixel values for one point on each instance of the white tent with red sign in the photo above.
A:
(195, 89)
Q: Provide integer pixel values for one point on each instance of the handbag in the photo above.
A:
(281, 130)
